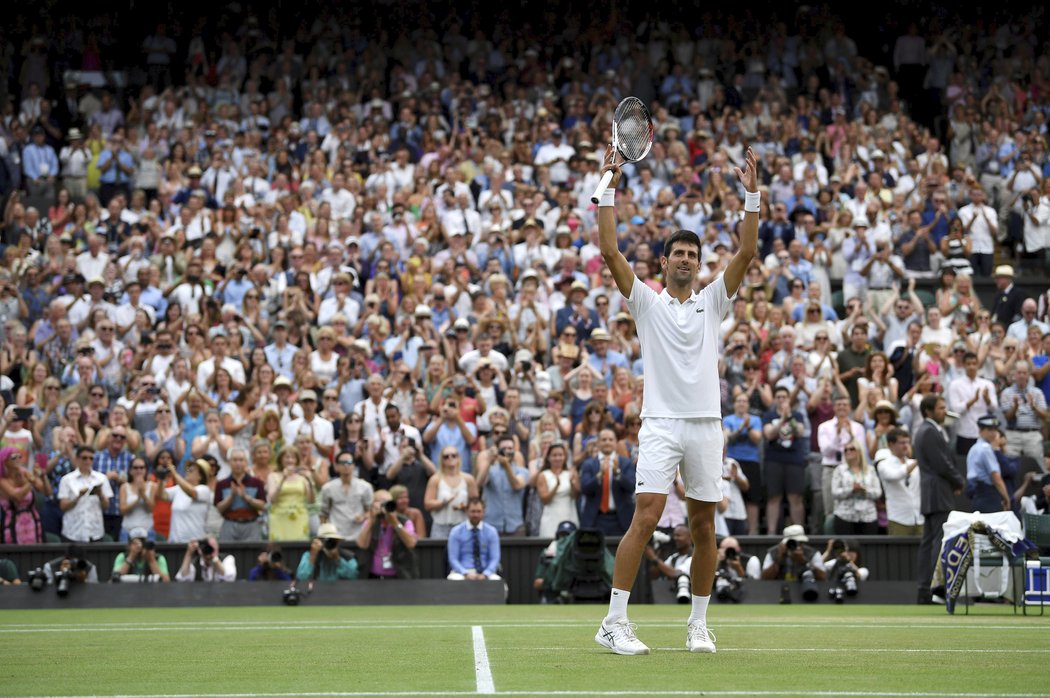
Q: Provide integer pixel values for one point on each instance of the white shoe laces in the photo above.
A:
(625, 632)
(699, 631)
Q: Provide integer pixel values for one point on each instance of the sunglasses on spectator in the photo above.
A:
(97, 394)
(449, 456)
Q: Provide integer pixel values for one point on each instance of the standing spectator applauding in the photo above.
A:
(241, 499)
(1025, 410)
(972, 397)
(900, 484)
(83, 495)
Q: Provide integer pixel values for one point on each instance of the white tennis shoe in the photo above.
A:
(699, 639)
(620, 638)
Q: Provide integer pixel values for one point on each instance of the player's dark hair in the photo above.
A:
(686, 237)
(929, 404)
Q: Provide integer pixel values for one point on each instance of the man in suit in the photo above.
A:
(1008, 298)
(940, 482)
(575, 313)
(607, 479)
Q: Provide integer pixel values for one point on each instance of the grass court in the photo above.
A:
(294, 652)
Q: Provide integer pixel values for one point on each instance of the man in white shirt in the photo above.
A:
(189, 292)
(981, 223)
(312, 424)
(340, 198)
(372, 408)
(92, 262)
(83, 495)
(219, 344)
(1019, 329)
(339, 302)
(900, 484)
(202, 563)
(556, 155)
(971, 397)
(679, 332)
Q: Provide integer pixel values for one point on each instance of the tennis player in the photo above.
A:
(681, 414)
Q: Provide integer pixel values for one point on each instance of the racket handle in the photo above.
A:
(602, 186)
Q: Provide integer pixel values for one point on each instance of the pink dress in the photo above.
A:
(20, 521)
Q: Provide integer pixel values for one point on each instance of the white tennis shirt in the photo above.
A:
(680, 349)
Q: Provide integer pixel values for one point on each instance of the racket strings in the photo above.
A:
(633, 130)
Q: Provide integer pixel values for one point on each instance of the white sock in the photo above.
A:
(699, 608)
(618, 605)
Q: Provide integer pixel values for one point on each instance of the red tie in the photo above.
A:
(603, 507)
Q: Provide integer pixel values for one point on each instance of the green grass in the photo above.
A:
(532, 650)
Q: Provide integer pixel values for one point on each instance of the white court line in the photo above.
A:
(16, 628)
(851, 650)
(384, 694)
(482, 670)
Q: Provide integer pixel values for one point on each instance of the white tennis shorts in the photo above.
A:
(694, 445)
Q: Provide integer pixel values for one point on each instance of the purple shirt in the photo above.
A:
(383, 558)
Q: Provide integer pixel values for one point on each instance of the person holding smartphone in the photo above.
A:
(83, 495)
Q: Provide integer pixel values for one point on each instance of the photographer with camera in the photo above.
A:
(791, 560)
(676, 566)
(389, 538)
(324, 561)
(140, 562)
(841, 559)
(732, 568)
(270, 566)
(202, 563)
(83, 495)
(63, 571)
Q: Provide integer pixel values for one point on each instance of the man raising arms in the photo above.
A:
(679, 331)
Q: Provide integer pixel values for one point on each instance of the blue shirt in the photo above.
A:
(981, 463)
(1038, 361)
(105, 463)
(612, 360)
(461, 549)
(115, 175)
(745, 449)
(33, 156)
(503, 502)
(451, 436)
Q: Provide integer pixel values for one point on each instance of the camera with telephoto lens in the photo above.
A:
(390, 507)
(37, 579)
(63, 579)
(845, 584)
(149, 544)
(162, 473)
(684, 589)
(727, 583)
(808, 580)
(206, 548)
(331, 543)
(292, 596)
(792, 545)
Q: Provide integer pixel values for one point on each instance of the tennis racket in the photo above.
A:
(632, 137)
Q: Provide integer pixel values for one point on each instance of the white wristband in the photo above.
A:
(608, 197)
(751, 201)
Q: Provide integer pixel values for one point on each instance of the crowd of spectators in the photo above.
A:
(276, 268)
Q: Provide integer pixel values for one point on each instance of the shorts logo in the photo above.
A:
(641, 483)
(699, 310)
